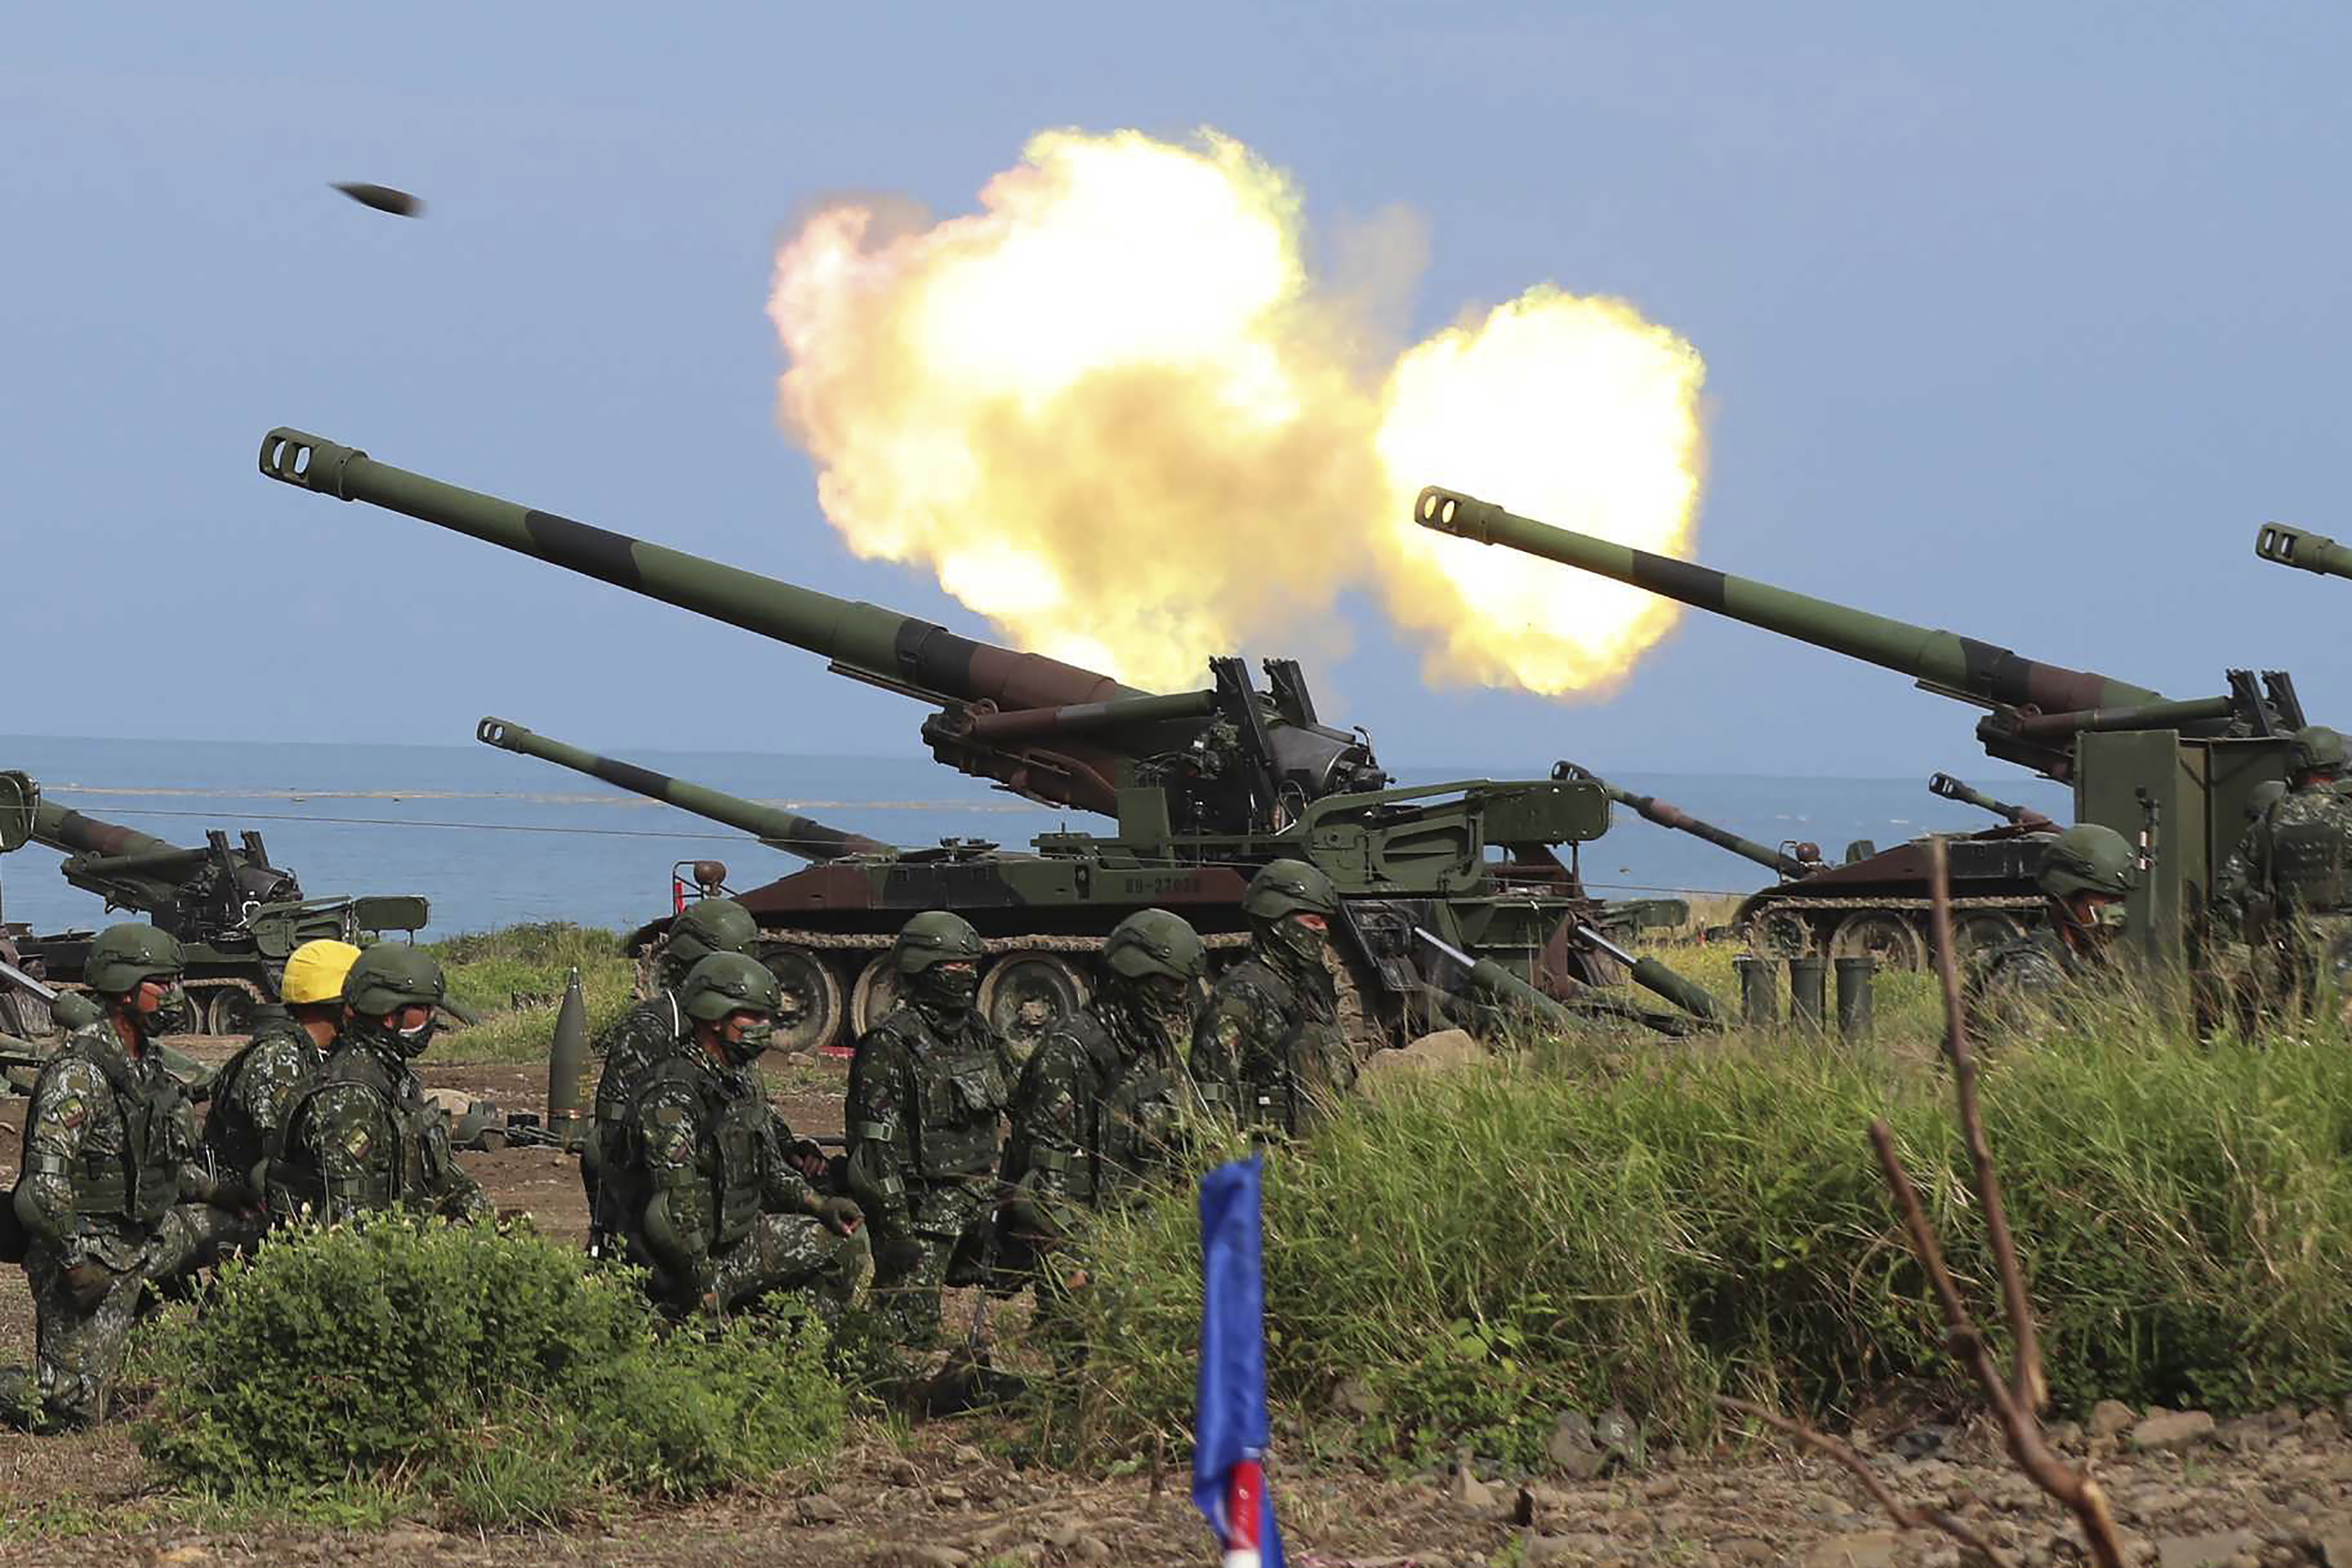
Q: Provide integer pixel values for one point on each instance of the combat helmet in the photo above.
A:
(391, 976)
(123, 955)
(316, 973)
(1287, 888)
(728, 983)
(2087, 859)
(2316, 749)
(1155, 943)
(935, 936)
(705, 927)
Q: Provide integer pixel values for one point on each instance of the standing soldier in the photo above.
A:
(251, 1095)
(1268, 1048)
(926, 1093)
(362, 1135)
(112, 1196)
(1097, 1107)
(652, 1029)
(2289, 883)
(2085, 873)
(725, 1219)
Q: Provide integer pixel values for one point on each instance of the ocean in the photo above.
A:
(493, 838)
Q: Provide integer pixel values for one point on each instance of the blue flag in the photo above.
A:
(1229, 1429)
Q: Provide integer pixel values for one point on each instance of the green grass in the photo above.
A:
(512, 980)
(1595, 1228)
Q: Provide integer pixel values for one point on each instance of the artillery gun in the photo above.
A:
(2172, 777)
(237, 916)
(2301, 548)
(1206, 785)
(771, 825)
(1874, 901)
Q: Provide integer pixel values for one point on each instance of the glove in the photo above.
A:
(87, 1283)
(841, 1216)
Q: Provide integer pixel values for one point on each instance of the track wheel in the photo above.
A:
(875, 993)
(1888, 937)
(229, 1011)
(813, 1012)
(1024, 994)
(1779, 933)
(1981, 931)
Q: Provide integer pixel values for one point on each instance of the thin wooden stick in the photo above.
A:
(2031, 1388)
(1904, 1516)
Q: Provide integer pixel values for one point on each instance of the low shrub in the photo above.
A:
(1472, 1254)
(493, 1376)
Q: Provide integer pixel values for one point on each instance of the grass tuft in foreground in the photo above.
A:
(352, 1373)
(1475, 1253)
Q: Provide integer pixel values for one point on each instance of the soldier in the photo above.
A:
(1268, 1046)
(926, 1093)
(362, 1135)
(112, 1197)
(289, 1045)
(2288, 885)
(652, 1029)
(1096, 1108)
(2085, 873)
(725, 1219)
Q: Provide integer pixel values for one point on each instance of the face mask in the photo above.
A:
(750, 1043)
(1165, 1003)
(950, 987)
(412, 1042)
(1294, 941)
(172, 1016)
(2109, 918)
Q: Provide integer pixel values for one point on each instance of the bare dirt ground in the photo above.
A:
(2272, 1490)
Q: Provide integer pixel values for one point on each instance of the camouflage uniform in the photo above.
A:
(362, 1135)
(1097, 1108)
(927, 1092)
(2288, 887)
(1268, 1048)
(710, 1144)
(649, 1031)
(2033, 976)
(107, 1161)
(252, 1094)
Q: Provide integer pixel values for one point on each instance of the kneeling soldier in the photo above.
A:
(251, 1095)
(650, 1030)
(109, 1169)
(362, 1135)
(725, 1218)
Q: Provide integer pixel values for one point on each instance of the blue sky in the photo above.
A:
(2019, 320)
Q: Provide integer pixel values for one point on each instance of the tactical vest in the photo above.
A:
(140, 1181)
(2309, 864)
(416, 1165)
(1271, 1092)
(957, 1099)
(731, 1162)
(230, 1135)
(620, 1189)
(1134, 1123)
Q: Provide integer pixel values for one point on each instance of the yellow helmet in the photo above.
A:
(315, 972)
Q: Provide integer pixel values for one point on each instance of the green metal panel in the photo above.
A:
(2120, 777)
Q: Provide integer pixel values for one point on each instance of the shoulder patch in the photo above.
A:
(70, 1112)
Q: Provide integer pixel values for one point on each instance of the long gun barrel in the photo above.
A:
(1979, 672)
(778, 829)
(1950, 788)
(2298, 547)
(1667, 814)
(900, 653)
